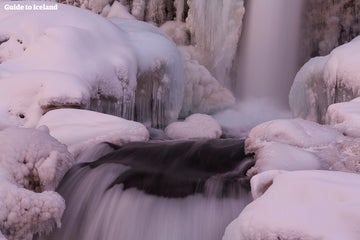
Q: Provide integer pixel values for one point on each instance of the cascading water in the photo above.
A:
(268, 51)
(159, 190)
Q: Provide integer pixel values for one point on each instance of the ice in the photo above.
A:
(109, 65)
(160, 74)
(32, 163)
(300, 205)
(215, 28)
(82, 129)
(195, 126)
(326, 80)
(345, 117)
(203, 93)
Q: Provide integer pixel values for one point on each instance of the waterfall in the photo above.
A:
(159, 190)
(268, 50)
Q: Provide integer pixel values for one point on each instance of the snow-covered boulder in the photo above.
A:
(345, 117)
(195, 126)
(326, 80)
(297, 144)
(32, 163)
(85, 61)
(300, 205)
(81, 129)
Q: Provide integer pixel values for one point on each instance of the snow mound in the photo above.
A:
(195, 126)
(297, 144)
(345, 117)
(300, 205)
(83, 50)
(32, 163)
(101, 63)
(326, 80)
(81, 129)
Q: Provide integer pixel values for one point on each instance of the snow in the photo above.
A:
(326, 80)
(345, 117)
(31, 165)
(109, 70)
(82, 129)
(195, 126)
(109, 64)
(300, 205)
(296, 144)
(120, 11)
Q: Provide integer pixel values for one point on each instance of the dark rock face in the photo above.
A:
(328, 24)
(178, 169)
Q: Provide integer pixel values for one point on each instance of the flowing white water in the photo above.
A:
(269, 50)
(95, 213)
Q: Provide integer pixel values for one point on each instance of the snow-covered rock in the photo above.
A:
(323, 81)
(195, 126)
(300, 205)
(99, 65)
(297, 144)
(32, 163)
(345, 117)
(82, 129)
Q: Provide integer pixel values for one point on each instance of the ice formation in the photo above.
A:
(82, 129)
(297, 144)
(345, 117)
(160, 77)
(215, 28)
(194, 126)
(32, 163)
(326, 80)
(117, 62)
(202, 93)
(300, 205)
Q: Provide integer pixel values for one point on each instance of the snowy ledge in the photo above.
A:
(32, 163)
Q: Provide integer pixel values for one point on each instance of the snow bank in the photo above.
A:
(300, 205)
(345, 117)
(195, 126)
(326, 80)
(31, 165)
(297, 144)
(88, 55)
(99, 65)
(81, 129)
